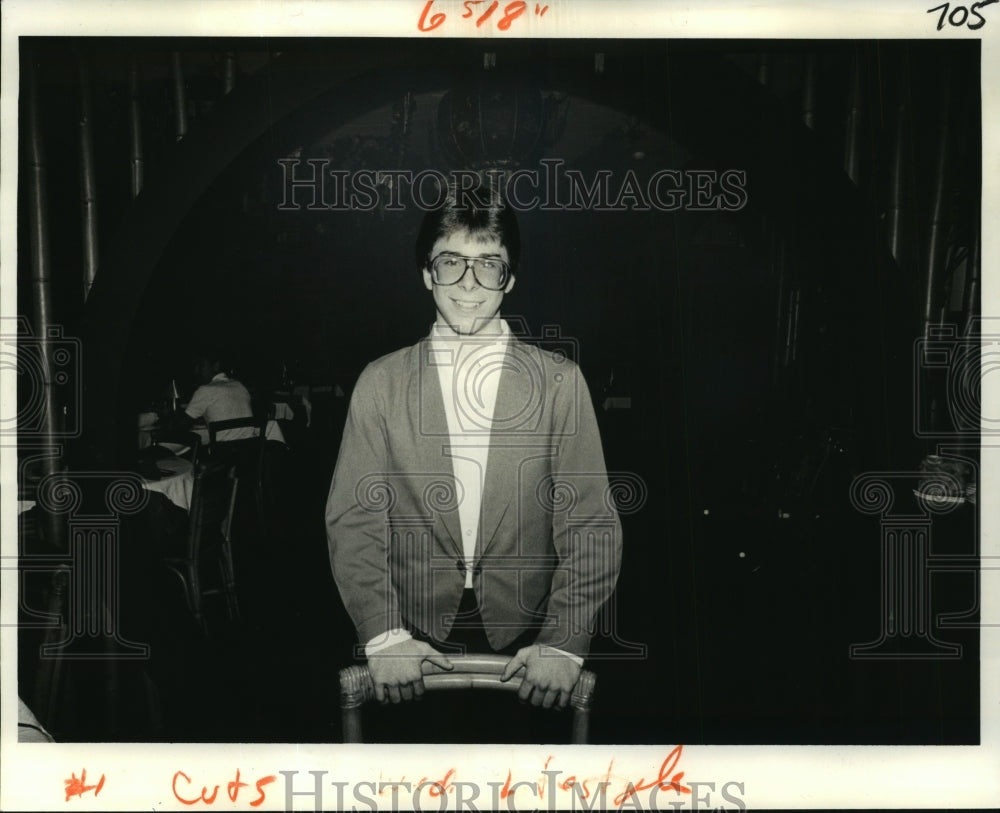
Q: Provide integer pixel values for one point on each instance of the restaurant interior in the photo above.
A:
(771, 412)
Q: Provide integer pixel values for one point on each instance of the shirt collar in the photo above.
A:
(442, 333)
(220, 377)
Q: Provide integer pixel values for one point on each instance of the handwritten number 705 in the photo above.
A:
(959, 15)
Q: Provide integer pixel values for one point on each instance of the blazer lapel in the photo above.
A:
(433, 442)
(514, 438)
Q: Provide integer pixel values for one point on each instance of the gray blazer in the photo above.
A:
(548, 550)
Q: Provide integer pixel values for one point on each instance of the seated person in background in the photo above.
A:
(219, 398)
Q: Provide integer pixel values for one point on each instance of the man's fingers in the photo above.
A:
(563, 700)
(537, 696)
(439, 660)
(406, 691)
(380, 692)
(513, 665)
(524, 692)
(550, 697)
(393, 693)
(418, 689)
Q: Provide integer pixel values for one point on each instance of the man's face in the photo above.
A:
(466, 306)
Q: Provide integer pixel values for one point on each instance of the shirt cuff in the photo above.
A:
(385, 640)
(575, 658)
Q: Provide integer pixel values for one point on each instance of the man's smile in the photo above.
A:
(466, 305)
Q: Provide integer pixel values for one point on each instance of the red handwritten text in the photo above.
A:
(664, 781)
(435, 21)
(442, 787)
(481, 11)
(184, 793)
(78, 787)
(610, 789)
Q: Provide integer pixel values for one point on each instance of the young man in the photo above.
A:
(470, 506)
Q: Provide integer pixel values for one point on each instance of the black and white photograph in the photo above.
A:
(447, 386)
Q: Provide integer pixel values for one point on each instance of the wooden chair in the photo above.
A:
(208, 538)
(246, 453)
(47, 694)
(256, 423)
(470, 672)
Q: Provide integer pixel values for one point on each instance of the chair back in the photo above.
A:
(248, 454)
(194, 448)
(469, 672)
(212, 501)
(258, 425)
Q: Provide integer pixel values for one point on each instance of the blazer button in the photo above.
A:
(460, 566)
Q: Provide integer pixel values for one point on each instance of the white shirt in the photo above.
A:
(222, 399)
(469, 373)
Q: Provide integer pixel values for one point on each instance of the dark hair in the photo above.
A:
(214, 352)
(480, 211)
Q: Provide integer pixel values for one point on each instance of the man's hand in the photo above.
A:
(397, 670)
(549, 676)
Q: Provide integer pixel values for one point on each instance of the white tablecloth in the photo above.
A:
(176, 487)
(283, 410)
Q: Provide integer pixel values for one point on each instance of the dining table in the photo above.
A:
(285, 401)
(174, 479)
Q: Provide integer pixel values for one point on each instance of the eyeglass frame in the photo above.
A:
(469, 261)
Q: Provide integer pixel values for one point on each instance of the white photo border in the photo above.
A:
(773, 777)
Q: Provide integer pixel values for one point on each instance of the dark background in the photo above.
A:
(768, 353)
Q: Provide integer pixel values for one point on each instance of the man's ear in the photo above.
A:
(428, 282)
(510, 284)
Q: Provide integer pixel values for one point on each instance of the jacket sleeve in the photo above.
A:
(357, 513)
(586, 530)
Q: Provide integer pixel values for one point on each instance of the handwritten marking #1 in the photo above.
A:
(78, 787)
